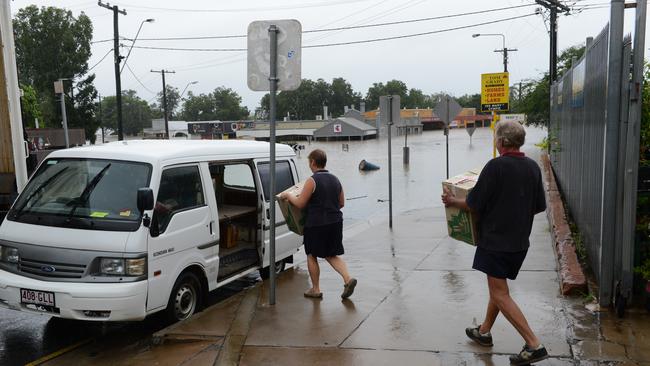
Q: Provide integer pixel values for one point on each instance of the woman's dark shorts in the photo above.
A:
(498, 264)
(324, 241)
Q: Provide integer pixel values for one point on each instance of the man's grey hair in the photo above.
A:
(511, 134)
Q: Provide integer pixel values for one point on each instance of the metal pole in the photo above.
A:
(406, 144)
(505, 59)
(118, 79)
(447, 134)
(165, 115)
(553, 56)
(609, 219)
(494, 129)
(390, 163)
(273, 81)
(65, 120)
(101, 121)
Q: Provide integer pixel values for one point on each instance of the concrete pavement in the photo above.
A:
(416, 294)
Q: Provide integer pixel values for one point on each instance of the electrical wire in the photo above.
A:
(256, 9)
(337, 28)
(345, 43)
(138, 79)
(100, 61)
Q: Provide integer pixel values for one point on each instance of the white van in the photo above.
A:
(86, 241)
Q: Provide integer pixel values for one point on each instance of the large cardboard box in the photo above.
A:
(294, 216)
(461, 224)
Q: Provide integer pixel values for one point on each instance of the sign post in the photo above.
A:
(495, 97)
(447, 109)
(389, 113)
(268, 42)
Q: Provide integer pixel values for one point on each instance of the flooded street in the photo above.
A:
(417, 185)
(26, 337)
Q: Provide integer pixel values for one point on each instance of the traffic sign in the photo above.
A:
(289, 54)
(447, 109)
(495, 92)
(471, 128)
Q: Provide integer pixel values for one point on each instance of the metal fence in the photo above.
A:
(594, 137)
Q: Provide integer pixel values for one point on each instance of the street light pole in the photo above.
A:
(164, 91)
(504, 50)
(150, 20)
(186, 86)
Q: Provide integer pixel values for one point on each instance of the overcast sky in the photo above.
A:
(448, 61)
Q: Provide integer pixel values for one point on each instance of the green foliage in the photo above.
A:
(136, 114)
(222, 104)
(51, 44)
(644, 155)
(173, 101)
(31, 109)
(644, 270)
(470, 101)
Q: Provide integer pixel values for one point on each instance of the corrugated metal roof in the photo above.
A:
(356, 123)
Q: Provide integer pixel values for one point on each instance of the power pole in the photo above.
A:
(553, 6)
(117, 59)
(164, 90)
(505, 51)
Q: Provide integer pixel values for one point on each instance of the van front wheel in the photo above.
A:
(185, 297)
(265, 272)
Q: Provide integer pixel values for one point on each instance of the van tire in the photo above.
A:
(280, 265)
(185, 298)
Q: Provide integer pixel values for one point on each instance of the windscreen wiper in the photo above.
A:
(16, 212)
(85, 195)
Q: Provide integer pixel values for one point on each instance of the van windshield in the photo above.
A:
(83, 193)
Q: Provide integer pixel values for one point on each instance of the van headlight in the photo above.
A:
(9, 255)
(123, 267)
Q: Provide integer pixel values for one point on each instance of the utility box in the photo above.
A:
(461, 224)
(294, 216)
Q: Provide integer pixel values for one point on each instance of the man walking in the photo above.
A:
(506, 197)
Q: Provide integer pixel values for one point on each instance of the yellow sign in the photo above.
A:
(495, 92)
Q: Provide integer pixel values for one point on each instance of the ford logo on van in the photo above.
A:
(48, 269)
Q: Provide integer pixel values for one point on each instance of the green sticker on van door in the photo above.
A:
(99, 214)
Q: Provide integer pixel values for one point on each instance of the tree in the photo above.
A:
(417, 99)
(470, 101)
(393, 87)
(51, 44)
(30, 106)
(173, 100)
(341, 95)
(222, 104)
(136, 114)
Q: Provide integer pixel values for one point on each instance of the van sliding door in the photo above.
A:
(286, 242)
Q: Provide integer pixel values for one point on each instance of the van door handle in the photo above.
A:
(268, 214)
(211, 230)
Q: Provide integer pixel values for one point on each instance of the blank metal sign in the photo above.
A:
(289, 54)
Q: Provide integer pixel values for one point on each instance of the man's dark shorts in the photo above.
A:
(498, 264)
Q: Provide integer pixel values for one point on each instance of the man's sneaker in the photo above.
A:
(482, 339)
(529, 355)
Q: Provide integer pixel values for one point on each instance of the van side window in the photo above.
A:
(283, 177)
(180, 190)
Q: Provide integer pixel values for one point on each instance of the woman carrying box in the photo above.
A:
(322, 198)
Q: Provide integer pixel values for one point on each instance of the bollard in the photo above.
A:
(406, 154)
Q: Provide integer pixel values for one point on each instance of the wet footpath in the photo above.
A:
(415, 296)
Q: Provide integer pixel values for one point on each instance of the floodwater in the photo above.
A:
(416, 185)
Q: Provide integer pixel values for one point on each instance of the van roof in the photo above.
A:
(153, 151)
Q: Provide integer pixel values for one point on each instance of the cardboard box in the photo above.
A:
(229, 234)
(294, 216)
(461, 225)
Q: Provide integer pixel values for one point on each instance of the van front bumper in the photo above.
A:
(81, 301)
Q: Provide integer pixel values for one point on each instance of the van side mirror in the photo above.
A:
(145, 199)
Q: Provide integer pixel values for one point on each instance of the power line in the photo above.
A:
(239, 10)
(102, 59)
(341, 28)
(344, 43)
(138, 79)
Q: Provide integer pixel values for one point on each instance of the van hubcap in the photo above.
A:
(185, 302)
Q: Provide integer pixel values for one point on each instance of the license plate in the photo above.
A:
(36, 297)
